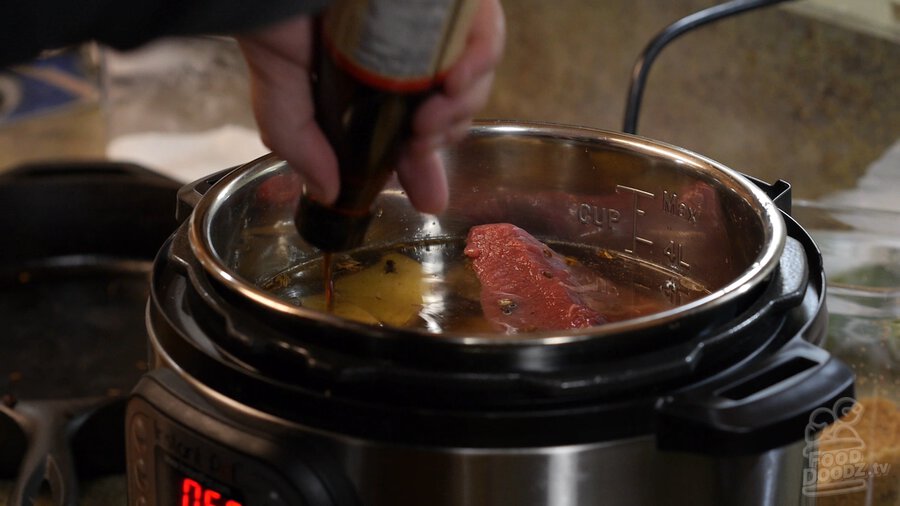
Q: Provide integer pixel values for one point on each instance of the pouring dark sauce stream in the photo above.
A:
(328, 278)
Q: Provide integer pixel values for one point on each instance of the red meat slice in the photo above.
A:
(526, 286)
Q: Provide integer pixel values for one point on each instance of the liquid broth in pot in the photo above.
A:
(431, 286)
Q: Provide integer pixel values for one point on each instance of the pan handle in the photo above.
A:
(81, 169)
(49, 425)
(764, 405)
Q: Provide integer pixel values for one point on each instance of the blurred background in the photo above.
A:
(806, 92)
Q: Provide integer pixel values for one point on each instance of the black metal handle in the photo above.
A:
(642, 66)
(757, 407)
(780, 192)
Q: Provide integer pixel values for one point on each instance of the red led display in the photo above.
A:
(195, 494)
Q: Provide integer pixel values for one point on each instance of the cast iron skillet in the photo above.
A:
(76, 246)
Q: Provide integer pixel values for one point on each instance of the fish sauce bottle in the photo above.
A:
(377, 61)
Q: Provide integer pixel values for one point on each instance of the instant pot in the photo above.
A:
(254, 399)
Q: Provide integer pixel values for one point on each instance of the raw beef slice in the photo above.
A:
(525, 286)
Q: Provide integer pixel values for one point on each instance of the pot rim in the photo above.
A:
(766, 261)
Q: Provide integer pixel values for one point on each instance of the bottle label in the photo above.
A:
(397, 45)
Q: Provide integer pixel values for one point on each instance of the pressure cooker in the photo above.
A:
(253, 398)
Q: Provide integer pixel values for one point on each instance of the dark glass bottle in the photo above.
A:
(379, 59)
(366, 127)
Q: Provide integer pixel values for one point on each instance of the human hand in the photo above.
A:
(280, 62)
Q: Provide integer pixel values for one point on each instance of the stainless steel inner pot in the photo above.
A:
(696, 220)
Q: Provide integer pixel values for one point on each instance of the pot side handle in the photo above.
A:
(190, 194)
(779, 192)
(756, 408)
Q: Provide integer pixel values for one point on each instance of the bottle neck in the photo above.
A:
(328, 228)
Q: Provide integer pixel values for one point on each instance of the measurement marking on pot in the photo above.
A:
(638, 212)
(603, 217)
(670, 289)
(675, 253)
(678, 208)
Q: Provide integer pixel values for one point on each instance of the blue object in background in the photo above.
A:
(43, 86)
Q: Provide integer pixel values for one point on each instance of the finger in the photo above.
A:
(309, 153)
(289, 40)
(424, 179)
(441, 111)
(287, 126)
(458, 131)
(451, 135)
(283, 106)
(484, 48)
